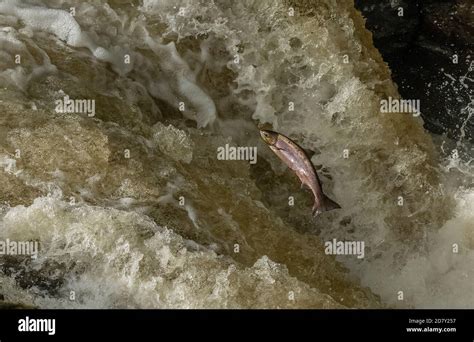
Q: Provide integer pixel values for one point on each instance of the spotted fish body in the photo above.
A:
(297, 160)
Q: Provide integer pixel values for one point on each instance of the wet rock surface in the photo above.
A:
(429, 48)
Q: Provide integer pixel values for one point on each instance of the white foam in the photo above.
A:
(156, 271)
(178, 84)
(17, 51)
(336, 107)
(60, 23)
(65, 27)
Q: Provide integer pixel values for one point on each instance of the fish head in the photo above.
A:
(269, 137)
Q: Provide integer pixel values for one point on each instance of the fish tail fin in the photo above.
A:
(326, 204)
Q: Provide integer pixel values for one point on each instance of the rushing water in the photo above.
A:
(130, 204)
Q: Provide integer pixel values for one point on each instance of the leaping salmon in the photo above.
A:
(297, 160)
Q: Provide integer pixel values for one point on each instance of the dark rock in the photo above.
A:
(391, 31)
(421, 48)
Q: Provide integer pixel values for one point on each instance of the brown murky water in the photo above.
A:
(131, 207)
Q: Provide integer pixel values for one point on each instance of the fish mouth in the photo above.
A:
(268, 136)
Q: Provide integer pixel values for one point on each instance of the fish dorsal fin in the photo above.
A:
(309, 153)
